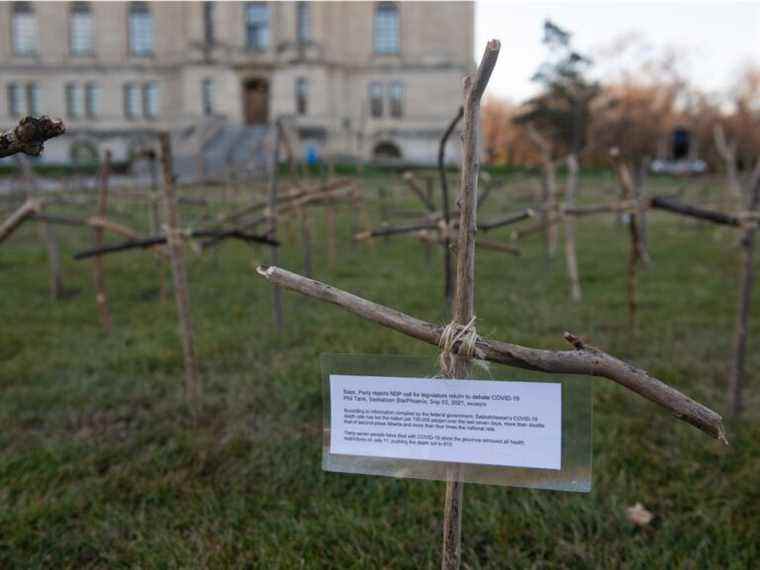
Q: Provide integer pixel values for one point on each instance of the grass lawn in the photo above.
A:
(101, 466)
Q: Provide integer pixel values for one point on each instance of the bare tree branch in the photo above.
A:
(160, 240)
(583, 360)
(447, 269)
(675, 207)
(414, 186)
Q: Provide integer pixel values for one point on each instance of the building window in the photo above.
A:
(376, 99)
(92, 100)
(74, 101)
(257, 25)
(208, 23)
(207, 97)
(396, 99)
(303, 22)
(81, 29)
(150, 100)
(302, 95)
(24, 29)
(131, 101)
(15, 100)
(386, 28)
(140, 29)
(33, 99)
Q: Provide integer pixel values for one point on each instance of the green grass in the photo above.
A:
(102, 467)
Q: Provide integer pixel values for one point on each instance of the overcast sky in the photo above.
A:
(716, 38)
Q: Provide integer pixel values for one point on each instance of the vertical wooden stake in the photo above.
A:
(427, 244)
(464, 297)
(635, 249)
(181, 293)
(365, 220)
(332, 249)
(448, 285)
(640, 187)
(46, 232)
(570, 256)
(303, 214)
(736, 380)
(332, 253)
(549, 191)
(279, 321)
(155, 215)
(50, 237)
(355, 208)
(382, 193)
(98, 263)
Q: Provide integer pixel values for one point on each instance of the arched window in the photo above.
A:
(24, 30)
(81, 29)
(386, 28)
(140, 29)
(83, 152)
(387, 151)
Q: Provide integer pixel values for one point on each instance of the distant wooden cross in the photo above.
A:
(437, 228)
(582, 359)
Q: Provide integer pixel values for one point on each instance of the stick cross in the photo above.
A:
(582, 359)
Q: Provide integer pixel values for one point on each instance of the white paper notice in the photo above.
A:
(516, 424)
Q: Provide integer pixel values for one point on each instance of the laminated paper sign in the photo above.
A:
(510, 424)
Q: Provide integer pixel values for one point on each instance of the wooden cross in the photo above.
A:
(297, 199)
(582, 359)
(745, 194)
(437, 227)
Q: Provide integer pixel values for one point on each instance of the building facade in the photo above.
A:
(361, 79)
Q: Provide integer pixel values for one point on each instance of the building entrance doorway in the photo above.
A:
(256, 101)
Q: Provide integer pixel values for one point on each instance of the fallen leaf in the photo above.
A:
(639, 515)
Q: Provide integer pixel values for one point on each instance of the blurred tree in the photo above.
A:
(561, 112)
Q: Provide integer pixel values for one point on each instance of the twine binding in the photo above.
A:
(466, 336)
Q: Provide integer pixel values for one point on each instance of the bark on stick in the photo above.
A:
(571, 259)
(101, 295)
(272, 233)
(463, 309)
(181, 293)
(445, 206)
(583, 360)
(747, 279)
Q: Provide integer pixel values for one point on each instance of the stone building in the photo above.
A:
(358, 79)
